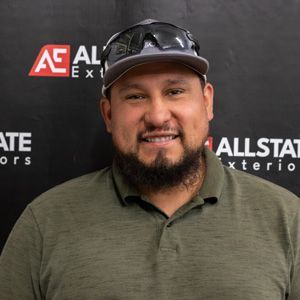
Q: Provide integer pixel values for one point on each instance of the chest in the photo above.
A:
(190, 261)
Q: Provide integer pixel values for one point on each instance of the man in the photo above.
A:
(167, 220)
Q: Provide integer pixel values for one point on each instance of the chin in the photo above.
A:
(160, 159)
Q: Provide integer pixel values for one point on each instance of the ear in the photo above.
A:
(105, 109)
(208, 94)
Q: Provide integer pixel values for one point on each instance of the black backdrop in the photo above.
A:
(50, 128)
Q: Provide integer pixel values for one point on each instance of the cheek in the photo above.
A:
(124, 126)
(195, 123)
(195, 115)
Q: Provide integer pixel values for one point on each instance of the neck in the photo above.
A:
(169, 200)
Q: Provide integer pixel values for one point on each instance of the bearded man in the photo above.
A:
(167, 220)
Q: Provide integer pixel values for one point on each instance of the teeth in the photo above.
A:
(159, 139)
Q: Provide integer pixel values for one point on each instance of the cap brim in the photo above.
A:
(196, 63)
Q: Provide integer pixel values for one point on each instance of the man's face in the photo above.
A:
(158, 110)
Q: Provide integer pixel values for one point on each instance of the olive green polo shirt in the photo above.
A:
(94, 237)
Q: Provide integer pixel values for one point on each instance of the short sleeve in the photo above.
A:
(20, 260)
(295, 253)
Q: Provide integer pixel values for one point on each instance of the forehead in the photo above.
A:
(167, 71)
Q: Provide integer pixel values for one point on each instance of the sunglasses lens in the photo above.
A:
(170, 37)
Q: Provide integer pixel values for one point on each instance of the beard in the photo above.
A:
(161, 174)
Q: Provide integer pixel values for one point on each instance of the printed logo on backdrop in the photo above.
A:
(257, 155)
(67, 61)
(15, 148)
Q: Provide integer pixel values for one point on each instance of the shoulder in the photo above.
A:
(75, 190)
(75, 204)
(257, 189)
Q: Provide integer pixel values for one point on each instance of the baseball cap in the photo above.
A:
(149, 41)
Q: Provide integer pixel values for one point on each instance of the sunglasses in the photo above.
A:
(133, 40)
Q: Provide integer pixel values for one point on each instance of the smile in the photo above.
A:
(160, 139)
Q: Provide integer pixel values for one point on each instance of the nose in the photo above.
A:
(158, 113)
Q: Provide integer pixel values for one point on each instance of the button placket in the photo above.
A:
(168, 240)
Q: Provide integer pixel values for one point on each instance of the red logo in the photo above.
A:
(53, 60)
(209, 142)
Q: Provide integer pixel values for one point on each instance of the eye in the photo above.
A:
(134, 97)
(175, 92)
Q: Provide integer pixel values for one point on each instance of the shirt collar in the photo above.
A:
(210, 191)
(214, 178)
(124, 190)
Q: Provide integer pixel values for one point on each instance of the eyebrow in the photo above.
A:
(130, 86)
(176, 81)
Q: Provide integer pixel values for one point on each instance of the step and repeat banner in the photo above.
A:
(50, 126)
